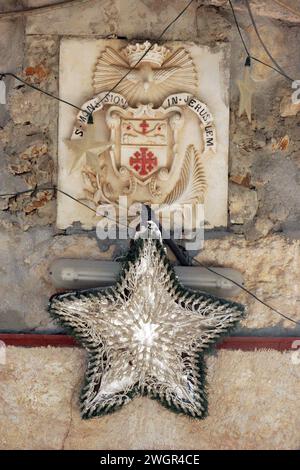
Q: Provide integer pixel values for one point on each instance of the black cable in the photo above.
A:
(270, 66)
(248, 292)
(40, 8)
(238, 28)
(3, 74)
(90, 115)
(180, 254)
(263, 44)
(176, 250)
(280, 71)
(33, 191)
(146, 52)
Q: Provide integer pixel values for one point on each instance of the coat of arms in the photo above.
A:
(153, 132)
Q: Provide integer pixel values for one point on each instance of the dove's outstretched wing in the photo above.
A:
(177, 73)
(110, 68)
(143, 85)
(191, 186)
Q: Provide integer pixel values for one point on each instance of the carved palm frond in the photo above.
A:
(191, 184)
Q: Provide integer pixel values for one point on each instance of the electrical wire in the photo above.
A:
(54, 188)
(263, 44)
(90, 115)
(247, 292)
(280, 71)
(239, 29)
(37, 189)
(146, 51)
(3, 74)
(33, 191)
(40, 8)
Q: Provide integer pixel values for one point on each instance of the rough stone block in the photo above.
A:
(243, 204)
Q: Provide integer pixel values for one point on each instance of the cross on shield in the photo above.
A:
(144, 145)
(143, 161)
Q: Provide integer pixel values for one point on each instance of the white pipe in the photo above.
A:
(84, 274)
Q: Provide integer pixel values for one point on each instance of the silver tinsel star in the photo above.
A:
(145, 335)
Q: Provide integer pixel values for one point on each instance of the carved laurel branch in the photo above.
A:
(98, 190)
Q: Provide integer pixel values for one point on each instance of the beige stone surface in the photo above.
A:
(116, 17)
(243, 204)
(271, 270)
(254, 403)
(288, 108)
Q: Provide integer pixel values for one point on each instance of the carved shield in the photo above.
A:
(144, 145)
(143, 139)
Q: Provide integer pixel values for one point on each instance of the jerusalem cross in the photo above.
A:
(143, 161)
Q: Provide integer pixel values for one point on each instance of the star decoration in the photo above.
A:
(247, 88)
(146, 335)
(86, 152)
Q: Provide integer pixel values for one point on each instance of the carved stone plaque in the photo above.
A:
(159, 137)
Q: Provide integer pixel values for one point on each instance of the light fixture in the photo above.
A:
(79, 273)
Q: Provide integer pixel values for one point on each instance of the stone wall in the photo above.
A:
(262, 237)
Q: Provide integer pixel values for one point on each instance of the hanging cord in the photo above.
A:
(176, 250)
(247, 292)
(276, 69)
(185, 260)
(90, 115)
(41, 8)
(239, 29)
(10, 74)
(263, 44)
(180, 253)
(36, 189)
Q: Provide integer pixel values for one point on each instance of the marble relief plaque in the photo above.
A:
(160, 136)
